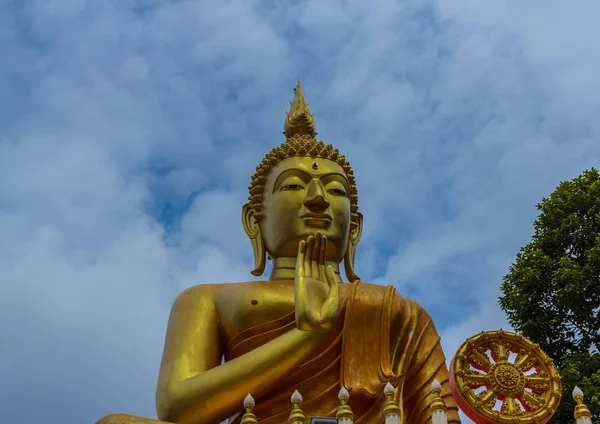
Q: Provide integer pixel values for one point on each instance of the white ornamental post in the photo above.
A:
(344, 413)
(582, 413)
(296, 416)
(438, 407)
(391, 410)
(249, 417)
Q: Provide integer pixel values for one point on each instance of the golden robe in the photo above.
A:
(379, 337)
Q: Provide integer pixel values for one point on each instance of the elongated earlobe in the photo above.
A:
(252, 229)
(353, 240)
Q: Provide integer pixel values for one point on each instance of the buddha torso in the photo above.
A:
(264, 310)
(251, 314)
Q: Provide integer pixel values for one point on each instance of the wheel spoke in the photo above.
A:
(531, 400)
(521, 361)
(500, 351)
(536, 380)
(487, 396)
(477, 379)
(481, 359)
(511, 405)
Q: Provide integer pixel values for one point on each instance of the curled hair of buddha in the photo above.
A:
(300, 133)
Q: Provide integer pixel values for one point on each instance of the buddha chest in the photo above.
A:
(243, 306)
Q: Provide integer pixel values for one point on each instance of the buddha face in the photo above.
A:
(303, 196)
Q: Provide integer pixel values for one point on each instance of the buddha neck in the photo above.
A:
(285, 268)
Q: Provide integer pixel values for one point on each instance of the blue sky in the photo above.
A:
(129, 131)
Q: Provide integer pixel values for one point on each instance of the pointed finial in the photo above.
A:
(437, 404)
(344, 413)
(388, 388)
(296, 416)
(581, 409)
(299, 120)
(249, 417)
(249, 401)
(343, 394)
(391, 406)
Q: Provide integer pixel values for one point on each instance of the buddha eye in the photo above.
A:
(291, 187)
(337, 191)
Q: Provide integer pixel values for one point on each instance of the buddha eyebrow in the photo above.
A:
(306, 176)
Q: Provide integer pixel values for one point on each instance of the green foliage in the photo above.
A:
(552, 292)
(582, 370)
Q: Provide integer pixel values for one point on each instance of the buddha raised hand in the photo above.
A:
(301, 329)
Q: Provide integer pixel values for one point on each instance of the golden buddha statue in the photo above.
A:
(302, 328)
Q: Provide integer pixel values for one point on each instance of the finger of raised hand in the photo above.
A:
(332, 282)
(322, 252)
(330, 307)
(300, 258)
(316, 256)
(309, 256)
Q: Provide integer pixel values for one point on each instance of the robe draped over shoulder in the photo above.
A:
(379, 337)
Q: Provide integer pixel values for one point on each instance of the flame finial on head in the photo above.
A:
(299, 120)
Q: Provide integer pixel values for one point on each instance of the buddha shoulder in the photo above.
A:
(229, 294)
(386, 294)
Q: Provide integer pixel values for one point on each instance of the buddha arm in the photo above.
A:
(194, 387)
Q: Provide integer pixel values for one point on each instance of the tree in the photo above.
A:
(552, 291)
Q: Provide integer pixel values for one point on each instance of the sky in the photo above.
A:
(129, 131)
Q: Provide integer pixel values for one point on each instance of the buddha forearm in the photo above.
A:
(218, 393)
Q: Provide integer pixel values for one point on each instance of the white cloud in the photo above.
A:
(128, 137)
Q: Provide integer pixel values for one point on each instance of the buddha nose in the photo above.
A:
(315, 197)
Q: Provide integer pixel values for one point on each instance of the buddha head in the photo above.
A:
(301, 188)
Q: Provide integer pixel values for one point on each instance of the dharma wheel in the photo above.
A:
(503, 378)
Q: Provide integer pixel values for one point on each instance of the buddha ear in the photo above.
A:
(252, 229)
(351, 250)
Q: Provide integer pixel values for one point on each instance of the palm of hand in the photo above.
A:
(315, 287)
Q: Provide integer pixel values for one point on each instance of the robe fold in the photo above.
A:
(379, 337)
